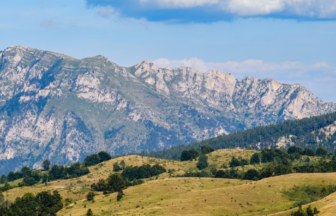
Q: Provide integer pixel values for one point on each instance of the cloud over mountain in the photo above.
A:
(218, 10)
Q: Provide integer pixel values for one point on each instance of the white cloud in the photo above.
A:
(106, 11)
(245, 67)
(181, 3)
(307, 8)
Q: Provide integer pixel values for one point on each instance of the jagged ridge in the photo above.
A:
(58, 107)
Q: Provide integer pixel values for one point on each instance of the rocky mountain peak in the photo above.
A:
(61, 108)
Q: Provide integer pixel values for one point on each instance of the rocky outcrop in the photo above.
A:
(61, 108)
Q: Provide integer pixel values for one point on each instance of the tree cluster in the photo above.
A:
(141, 172)
(187, 155)
(62, 172)
(238, 162)
(94, 159)
(308, 212)
(43, 204)
(117, 167)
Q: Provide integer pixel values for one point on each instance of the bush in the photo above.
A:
(309, 152)
(144, 171)
(104, 156)
(116, 167)
(120, 195)
(207, 149)
(189, 155)
(91, 160)
(295, 149)
(202, 162)
(238, 162)
(251, 174)
(320, 151)
(89, 213)
(255, 159)
(90, 196)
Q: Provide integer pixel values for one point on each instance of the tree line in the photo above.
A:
(33, 176)
(41, 204)
(303, 132)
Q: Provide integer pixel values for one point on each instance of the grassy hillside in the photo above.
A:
(168, 195)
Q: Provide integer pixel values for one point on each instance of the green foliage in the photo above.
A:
(203, 173)
(116, 182)
(320, 151)
(46, 165)
(3, 179)
(120, 195)
(104, 156)
(189, 155)
(295, 149)
(238, 162)
(113, 183)
(91, 160)
(2, 198)
(309, 152)
(252, 174)
(116, 167)
(89, 213)
(202, 162)
(90, 196)
(308, 212)
(307, 194)
(256, 158)
(44, 203)
(73, 171)
(206, 149)
(144, 171)
(302, 131)
(122, 164)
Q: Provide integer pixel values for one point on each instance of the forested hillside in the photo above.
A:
(307, 132)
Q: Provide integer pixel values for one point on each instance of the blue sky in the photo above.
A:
(291, 41)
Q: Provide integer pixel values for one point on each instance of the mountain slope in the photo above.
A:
(61, 108)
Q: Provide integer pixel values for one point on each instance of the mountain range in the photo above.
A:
(61, 108)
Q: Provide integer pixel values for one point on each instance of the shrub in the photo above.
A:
(320, 151)
(92, 160)
(207, 149)
(202, 162)
(104, 156)
(90, 196)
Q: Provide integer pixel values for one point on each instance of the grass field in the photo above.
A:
(187, 196)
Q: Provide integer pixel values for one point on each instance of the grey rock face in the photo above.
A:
(61, 108)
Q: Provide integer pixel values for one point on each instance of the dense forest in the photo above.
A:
(304, 132)
(44, 203)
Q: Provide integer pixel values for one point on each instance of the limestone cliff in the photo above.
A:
(57, 107)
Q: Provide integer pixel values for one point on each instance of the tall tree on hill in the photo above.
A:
(104, 156)
(92, 160)
(116, 182)
(46, 165)
(202, 162)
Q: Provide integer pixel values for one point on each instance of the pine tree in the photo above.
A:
(89, 213)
